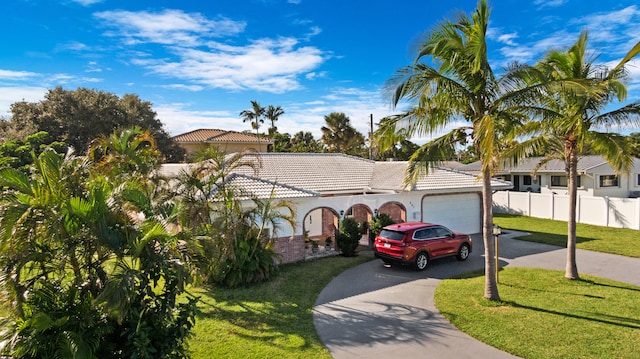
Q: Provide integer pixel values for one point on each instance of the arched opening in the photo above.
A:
(396, 210)
(361, 214)
(319, 224)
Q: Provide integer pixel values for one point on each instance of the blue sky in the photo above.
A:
(201, 62)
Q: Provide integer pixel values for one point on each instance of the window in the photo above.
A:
(561, 181)
(638, 179)
(526, 180)
(442, 232)
(426, 233)
(609, 181)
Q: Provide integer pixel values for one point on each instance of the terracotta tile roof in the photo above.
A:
(218, 136)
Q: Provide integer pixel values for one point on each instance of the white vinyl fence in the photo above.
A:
(599, 211)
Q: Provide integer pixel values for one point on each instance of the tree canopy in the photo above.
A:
(339, 136)
(78, 116)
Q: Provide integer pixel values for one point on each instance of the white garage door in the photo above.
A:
(459, 212)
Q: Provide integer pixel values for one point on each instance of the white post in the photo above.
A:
(638, 213)
(552, 211)
(578, 209)
(606, 208)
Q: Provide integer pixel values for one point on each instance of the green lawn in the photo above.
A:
(620, 241)
(270, 320)
(544, 315)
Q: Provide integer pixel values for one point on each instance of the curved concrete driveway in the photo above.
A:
(370, 311)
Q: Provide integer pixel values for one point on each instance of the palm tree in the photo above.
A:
(305, 142)
(339, 136)
(254, 115)
(578, 93)
(272, 114)
(128, 152)
(459, 86)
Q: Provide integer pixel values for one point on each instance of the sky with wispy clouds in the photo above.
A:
(201, 62)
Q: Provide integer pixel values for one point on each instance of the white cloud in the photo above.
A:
(169, 27)
(87, 2)
(264, 65)
(192, 88)
(315, 75)
(15, 75)
(549, 3)
(13, 94)
(177, 119)
(508, 38)
(270, 65)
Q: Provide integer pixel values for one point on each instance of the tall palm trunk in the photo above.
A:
(571, 270)
(490, 280)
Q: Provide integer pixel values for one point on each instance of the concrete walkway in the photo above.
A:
(371, 311)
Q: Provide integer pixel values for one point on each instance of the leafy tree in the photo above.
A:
(573, 106)
(340, 137)
(467, 155)
(401, 149)
(19, 153)
(305, 142)
(281, 142)
(77, 117)
(272, 114)
(86, 275)
(451, 79)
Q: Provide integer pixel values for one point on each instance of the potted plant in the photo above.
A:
(314, 246)
(327, 244)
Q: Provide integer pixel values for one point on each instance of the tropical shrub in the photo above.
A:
(89, 265)
(348, 236)
(232, 230)
(377, 223)
(253, 262)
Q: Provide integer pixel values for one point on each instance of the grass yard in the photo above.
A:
(544, 315)
(620, 241)
(270, 320)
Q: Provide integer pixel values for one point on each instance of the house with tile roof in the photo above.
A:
(595, 177)
(228, 141)
(325, 187)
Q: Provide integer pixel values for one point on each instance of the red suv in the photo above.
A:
(416, 243)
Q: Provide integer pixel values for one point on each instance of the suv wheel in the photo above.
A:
(421, 261)
(463, 252)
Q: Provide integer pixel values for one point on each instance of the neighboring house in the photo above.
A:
(228, 141)
(595, 177)
(326, 187)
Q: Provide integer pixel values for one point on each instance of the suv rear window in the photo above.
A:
(393, 235)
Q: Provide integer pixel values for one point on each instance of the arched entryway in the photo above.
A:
(362, 214)
(396, 210)
(319, 224)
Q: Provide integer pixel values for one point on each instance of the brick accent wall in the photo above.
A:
(290, 249)
(329, 225)
(395, 211)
